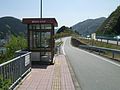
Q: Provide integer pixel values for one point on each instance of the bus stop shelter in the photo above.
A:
(40, 34)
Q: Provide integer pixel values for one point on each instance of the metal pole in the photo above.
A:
(117, 42)
(41, 10)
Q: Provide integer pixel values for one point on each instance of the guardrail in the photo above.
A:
(16, 69)
(108, 39)
(100, 49)
(105, 39)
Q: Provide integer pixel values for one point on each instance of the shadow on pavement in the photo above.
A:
(40, 65)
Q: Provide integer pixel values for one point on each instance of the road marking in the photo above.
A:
(112, 62)
(63, 46)
(101, 58)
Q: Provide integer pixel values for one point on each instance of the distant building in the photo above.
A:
(93, 36)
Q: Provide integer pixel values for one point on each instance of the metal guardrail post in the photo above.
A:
(117, 42)
(109, 38)
(100, 49)
(107, 41)
(113, 55)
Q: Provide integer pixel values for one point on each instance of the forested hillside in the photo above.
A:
(88, 26)
(111, 26)
(11, 25)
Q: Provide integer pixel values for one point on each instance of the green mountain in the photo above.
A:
(111, 25)
(64, 32)
(62, 29)
(11, 25)
(88, 26)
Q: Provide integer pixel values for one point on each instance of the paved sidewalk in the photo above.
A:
(52, 77)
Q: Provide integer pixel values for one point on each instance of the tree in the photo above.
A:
(15, 43)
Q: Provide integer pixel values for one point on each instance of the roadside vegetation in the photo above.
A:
(65, 32)
(15, 43)
(111, 26)
(99, 44)
(4, 84)
(61, 33)
(59, 43)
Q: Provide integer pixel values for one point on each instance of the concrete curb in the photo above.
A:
(75, 81)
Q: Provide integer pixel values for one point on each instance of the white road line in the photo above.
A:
(63, 47)
(63, 50)
(112, 62)
(100, 57)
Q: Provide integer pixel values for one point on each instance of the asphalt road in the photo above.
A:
(92, 72)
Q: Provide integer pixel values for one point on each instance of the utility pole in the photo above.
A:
(41, 10)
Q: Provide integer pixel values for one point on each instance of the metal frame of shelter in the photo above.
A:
(41, 36)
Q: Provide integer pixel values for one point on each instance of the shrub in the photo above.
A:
(4, 84)
(15, 43)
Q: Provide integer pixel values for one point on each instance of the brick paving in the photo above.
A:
(51, 77)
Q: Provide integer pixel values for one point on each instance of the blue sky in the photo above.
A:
(67, 12)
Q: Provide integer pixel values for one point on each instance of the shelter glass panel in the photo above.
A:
(46, 26)
(41, 40)
(38, 26)
(45, 39)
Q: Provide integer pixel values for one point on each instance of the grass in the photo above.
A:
(59, 43)
(101, 44)
(4, 83)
